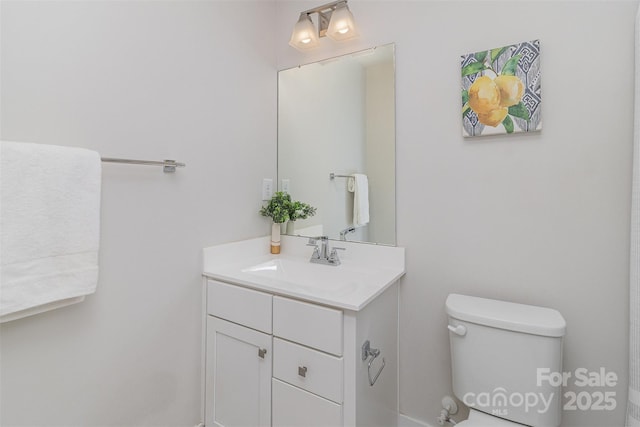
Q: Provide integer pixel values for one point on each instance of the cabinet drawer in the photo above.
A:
(240, 305)
(309, 324)
(292, 406)
(315, 371)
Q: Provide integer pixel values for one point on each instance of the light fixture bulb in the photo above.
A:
(304, 35)
(342, 26)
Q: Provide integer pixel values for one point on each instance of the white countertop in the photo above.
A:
(366, 270)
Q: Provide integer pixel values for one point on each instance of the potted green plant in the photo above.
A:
(277, 209)
(298, 210)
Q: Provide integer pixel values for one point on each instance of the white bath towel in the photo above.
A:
(359, 184)
(49, 227)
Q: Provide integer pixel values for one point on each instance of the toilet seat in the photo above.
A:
(482, 419)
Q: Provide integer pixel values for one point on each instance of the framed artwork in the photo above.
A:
(501, 90)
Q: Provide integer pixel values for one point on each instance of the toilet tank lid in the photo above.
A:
(506, 315)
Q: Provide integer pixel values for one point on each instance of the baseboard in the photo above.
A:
(405, 421)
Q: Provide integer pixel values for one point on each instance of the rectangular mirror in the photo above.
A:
(337, 117)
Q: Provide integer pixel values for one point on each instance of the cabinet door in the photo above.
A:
(238, 375)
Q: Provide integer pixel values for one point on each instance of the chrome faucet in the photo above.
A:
(322, 254)
(343, 233)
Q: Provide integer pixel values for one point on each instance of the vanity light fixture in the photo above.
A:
(341, 25)
(335, 20)
(304, 34)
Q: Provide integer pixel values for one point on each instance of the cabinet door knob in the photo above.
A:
(262, 352)
(302, 371)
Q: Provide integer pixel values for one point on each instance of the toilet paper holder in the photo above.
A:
(373, 353)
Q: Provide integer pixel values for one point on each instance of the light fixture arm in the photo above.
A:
(325, 7)
(324, 15)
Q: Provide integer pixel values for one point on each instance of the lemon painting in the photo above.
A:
(501, 90)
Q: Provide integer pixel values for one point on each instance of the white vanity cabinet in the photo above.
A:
(276, 360)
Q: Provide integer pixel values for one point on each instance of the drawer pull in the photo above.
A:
(262, 352)
(302, 371)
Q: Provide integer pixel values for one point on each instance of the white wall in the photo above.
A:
(540, 218)
(149, 80)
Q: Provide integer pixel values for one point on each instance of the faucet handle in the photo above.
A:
(333, 256)
(314, 240)
(316, 252)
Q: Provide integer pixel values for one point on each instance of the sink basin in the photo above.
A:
(305, 275)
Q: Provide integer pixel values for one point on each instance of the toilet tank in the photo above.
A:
(503, 356)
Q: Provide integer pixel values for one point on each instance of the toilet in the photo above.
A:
(506, 361)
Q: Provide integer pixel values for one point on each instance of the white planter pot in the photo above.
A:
(275, 238)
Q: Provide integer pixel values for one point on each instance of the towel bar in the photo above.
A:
(333, 176)
(168, 166)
